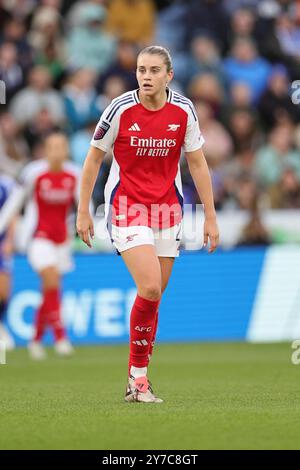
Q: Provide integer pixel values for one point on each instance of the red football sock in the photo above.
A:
(49, 315)
(54, 315)
(142, 322)
(40, 323)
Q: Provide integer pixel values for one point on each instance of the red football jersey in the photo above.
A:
(53, 193)
(144, 185)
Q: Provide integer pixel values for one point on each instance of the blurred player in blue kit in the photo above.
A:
(6, 250)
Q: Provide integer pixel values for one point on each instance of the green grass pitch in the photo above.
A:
(217, 396)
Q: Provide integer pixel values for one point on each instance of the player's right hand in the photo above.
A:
(85, 227)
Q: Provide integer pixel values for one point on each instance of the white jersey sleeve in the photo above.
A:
(7, 183)
(108, 126)
(194, 139)
(21, 192)
(30, 174)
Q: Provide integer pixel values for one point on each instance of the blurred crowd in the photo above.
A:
(64, 61)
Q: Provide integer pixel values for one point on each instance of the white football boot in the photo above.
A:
(140, 390)
(64, 348)
(37, 351)
(6, 338)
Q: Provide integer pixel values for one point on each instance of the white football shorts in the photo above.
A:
(166, 241)
(43, 253)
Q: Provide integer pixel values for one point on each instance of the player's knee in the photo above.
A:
(51, 280)
(50, 285)
(151, 291)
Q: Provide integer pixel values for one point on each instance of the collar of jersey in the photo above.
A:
(136, 95)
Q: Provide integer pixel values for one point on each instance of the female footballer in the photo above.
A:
(51, 184)
(146, 129)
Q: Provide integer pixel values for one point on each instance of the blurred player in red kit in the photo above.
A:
(147, 129)
(52, 183)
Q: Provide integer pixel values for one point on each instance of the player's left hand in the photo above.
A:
(85, 227)
(211, 233)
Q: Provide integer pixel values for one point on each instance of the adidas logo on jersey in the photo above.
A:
(134, 127)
